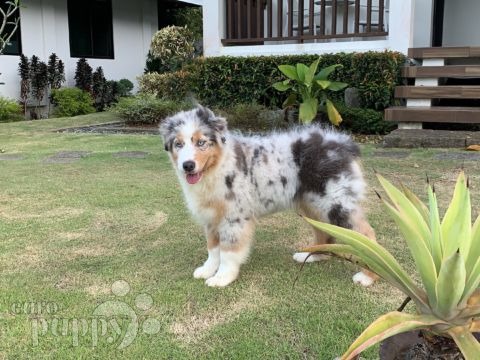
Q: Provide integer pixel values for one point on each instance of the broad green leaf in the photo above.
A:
(289, 71)
(336, 85)
(466, 342)
(474, 253)
(435, 228)
(325, 72)
(333, 114)
(291, 100)
(302, 70)
(368, 248)
(419, 250)
(308, 110)
(324, 84)
(456, 224)
(388, 325)
(450, 286)
(282, 85)
(312, 69)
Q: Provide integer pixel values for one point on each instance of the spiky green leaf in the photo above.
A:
(450, 286)
(466, 342)
(368, 249)
(474, 253)
(388, 325)
(435, 228)
(457, 222)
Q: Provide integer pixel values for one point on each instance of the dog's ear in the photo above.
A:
(167, 130)
(217, 123)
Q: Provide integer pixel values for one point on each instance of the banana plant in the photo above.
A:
(447, 257)
(309, 90)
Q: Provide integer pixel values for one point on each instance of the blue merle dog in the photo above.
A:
(229, 180)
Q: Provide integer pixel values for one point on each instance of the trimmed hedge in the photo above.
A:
(170, 86)
(71, 102)
(227, 80)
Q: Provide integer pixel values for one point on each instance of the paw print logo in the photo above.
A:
(117, 309)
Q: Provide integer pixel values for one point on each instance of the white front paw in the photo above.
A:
(362, 279)
(205, 271)
(302, 257)
(221, 279)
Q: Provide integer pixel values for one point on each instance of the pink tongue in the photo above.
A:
(193, 178)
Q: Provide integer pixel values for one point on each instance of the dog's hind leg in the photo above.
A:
(210, 267)
(361, 225)
(319, 237)
(235, 241)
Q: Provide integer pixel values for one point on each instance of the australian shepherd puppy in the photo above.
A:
(230, 180)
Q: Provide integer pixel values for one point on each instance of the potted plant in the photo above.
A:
(447, 258)
(309, 90)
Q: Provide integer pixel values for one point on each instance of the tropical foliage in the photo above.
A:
(447, 257)
(309, 90)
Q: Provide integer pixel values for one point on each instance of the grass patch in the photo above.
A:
(69, 231)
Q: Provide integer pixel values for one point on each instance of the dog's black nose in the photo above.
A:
(189, 166)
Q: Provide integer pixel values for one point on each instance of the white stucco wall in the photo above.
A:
(45, 30)
(461, 27)
(422, 23)
(400, 36)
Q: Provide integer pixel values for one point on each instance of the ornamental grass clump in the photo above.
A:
(447, 258)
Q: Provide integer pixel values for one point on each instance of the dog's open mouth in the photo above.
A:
(194, 178)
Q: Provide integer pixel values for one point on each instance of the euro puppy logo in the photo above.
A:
(229, 180)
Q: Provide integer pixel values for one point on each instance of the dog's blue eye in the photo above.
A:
(201, 143)
(178, 145)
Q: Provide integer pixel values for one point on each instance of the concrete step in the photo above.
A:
(438, 114)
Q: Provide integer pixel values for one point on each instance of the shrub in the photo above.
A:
(223, 81)
(71, 102)
(146, 109)
(364, 121)
(173, 86)
(83, 75)
(173, 46)
(124, 87)
(253, 117)
(10, 110)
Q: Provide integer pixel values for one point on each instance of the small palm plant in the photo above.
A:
(447, 257)
(309, 90)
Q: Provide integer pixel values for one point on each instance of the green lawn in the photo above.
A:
(69, 231)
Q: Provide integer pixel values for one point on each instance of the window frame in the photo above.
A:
(111, 37)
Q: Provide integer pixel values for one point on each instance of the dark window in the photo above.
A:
(90, 28)
(15, 45)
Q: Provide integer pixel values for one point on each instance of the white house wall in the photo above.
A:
(400, 36)
(44, 29)
(460, 27)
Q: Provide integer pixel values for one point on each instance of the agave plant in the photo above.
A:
(309, 90)
(446, 255)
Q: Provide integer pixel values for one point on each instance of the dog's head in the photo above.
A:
(194, 140)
